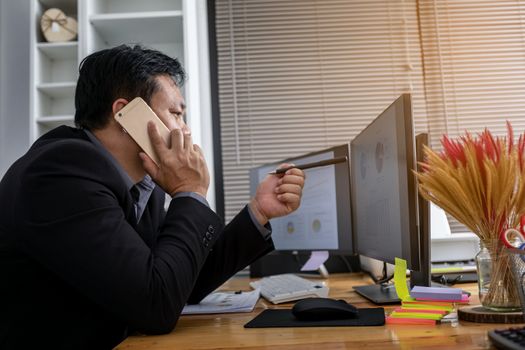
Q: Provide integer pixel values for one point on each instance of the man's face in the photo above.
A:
(168, 104)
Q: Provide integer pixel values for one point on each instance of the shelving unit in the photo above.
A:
(102, 24)
(53, 72)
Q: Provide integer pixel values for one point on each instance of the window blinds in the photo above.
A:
(474, 66)
(474, 53)
(298, 76)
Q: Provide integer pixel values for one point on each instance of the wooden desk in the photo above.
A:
(226, 331)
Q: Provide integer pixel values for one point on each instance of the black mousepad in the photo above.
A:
(285, 318)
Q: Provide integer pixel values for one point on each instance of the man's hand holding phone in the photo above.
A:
(182, 167)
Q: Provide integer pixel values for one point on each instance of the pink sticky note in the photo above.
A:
(421, 311)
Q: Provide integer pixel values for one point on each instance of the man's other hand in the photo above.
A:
(278, 195)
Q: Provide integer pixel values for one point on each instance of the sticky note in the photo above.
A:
(427, 302)
(400, 279)
(412, 321)
(421, 315)
(436, 293)
(438, 312)
(428, 307)
(465, 299)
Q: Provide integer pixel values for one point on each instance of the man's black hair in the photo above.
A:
(119, 72)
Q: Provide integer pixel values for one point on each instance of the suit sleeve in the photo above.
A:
(72, 222)
(240, 244)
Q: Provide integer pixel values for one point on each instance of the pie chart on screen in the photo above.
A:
(316, 225)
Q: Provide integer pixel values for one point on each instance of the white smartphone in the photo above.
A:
(134, 118)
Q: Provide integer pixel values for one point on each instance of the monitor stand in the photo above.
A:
(379, 294)
(316, 263)
(383, 294)
(323, 271)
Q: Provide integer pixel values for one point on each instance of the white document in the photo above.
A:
(224, 302)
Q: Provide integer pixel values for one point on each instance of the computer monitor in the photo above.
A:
(384, 193)
(323, 220)
(422, 276)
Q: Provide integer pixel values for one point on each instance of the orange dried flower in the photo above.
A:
(478, 180)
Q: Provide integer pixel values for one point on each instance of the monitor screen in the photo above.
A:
(384, 200)
(323, 220)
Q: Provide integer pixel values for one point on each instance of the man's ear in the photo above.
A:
(118, 104)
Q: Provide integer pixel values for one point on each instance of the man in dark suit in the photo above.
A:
(87, 252)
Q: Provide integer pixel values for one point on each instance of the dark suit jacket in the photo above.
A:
(76, 269)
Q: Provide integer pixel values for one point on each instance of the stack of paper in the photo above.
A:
(418, 312)
(224, 302)
(436, 294)
(423, 305)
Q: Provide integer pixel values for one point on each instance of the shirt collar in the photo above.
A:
(127, 180)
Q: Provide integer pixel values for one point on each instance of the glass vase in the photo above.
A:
(497, 288)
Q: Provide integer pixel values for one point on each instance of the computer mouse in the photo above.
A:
(319, 309)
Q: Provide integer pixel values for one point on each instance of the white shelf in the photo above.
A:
(57, 90)
(44, 127)
(68, 6)
(55, 119)
(59, 51)
(119, 6)
(56, 64)
(135, 15)
(145, 27)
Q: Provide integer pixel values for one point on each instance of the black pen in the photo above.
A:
(312, 165)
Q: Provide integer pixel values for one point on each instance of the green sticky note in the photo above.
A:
(400, 279)
(428, 307)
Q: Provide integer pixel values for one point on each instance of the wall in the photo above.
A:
(14, 80)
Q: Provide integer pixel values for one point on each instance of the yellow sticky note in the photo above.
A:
(400, 279)
(416, 315)
(429, 307)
